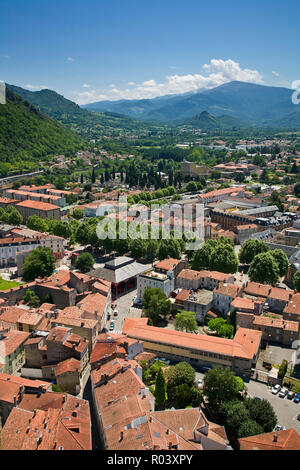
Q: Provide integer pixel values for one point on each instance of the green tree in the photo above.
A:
(181, 373)
(296, 281)
(281, 260)
(186, 321)
(250, 249)
(297, 189)
(249, 428)
(37, 223)
(202, 258)
(219, 387)
(283, 369)
(152, 247)
(264, 269)
(224, 259)
(138, 248)
(78, 214)
(39, 263)
(262, 412)
(84, 262)
(155, 304)
(31, 298)
(169, 248)
(235, 414)
(160, 390)
(13, 216)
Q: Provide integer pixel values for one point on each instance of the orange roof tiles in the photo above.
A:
(167, 264)
(287, 439)
(42, 206)
(256, 289)
(230, 290)
(12, 340)
(69, 365)
(238, 347)
(276, 323)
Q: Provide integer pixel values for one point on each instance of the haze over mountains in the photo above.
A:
(257, 105)
(233, 105)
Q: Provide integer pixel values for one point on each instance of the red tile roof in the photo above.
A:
(42, 206)
(287, 439)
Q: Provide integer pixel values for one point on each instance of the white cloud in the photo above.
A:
(35, 87)
(275, 73)
(216, 73)
(70, 59)
(6, 56)
(86, 85)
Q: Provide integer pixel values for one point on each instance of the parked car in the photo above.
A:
(298, 417)
(115, 313)
(200, 383)
(283, 392)
(297, 398)
(291, 395)
(136, 301)
(278, 427)
(276, 389)
(111, 326)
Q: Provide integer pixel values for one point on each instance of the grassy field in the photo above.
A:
(4, 285)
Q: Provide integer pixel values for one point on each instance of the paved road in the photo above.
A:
(124, 307)
(285, 409)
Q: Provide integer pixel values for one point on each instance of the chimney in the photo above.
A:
(64, 398)
(275, 437)
(121, 436)
(167, 431)
(170, 445)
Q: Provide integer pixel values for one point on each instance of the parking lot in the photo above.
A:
(286, 410)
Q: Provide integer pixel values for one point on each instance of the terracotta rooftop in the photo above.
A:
(69, 365)
(241, 303)
(51, 429)
(276, 323)
(287, 439)
(258, 290)
(244, 344)
(42, 206)
(230, 290)
(167, 264)
(11, 341)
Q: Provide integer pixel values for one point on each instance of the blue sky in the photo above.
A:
(112, 49)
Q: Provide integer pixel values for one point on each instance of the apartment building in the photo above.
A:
(12, 353)
(41, 209)
(224, 294)
(274, 330)
(239, 354)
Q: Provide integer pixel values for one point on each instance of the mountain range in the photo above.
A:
(72, 115)
(256, 105)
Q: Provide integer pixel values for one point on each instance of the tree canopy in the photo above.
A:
(39, 263)
(264, 269)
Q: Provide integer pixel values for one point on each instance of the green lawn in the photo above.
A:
(4, 285)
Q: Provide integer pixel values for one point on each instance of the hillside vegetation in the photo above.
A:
(28, 136)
